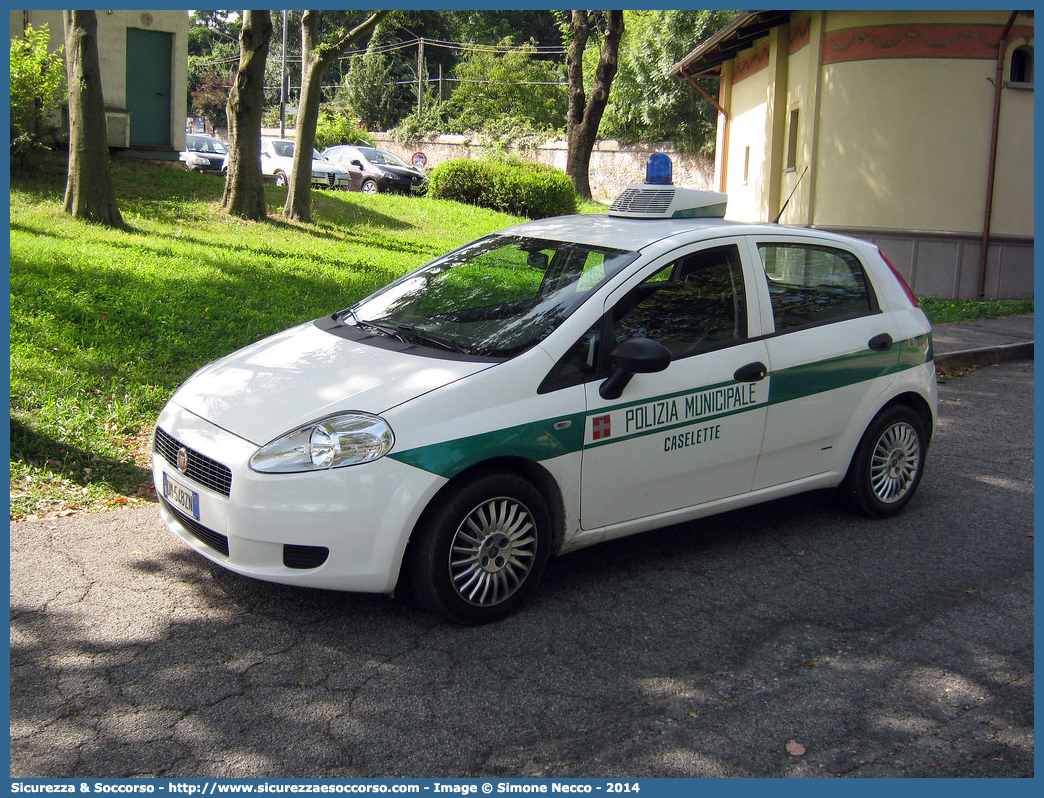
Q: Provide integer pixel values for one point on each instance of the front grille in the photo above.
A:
(202, 469)
(295, 556)
(215, 540)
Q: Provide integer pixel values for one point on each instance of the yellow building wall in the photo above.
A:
(903, 144)
(894, 126)
(795, 189)
(112, 54)
(1013, 192)
(746, 178)
(914, 134)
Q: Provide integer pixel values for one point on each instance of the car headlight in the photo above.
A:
(198, 160)
(342, 440)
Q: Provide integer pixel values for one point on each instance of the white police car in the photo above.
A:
(553, 385)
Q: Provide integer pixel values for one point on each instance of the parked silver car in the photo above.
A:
(277, 162)
(204, 154)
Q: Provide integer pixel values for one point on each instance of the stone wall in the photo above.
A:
(613, 165)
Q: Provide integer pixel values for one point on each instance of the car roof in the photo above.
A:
(611, 231)
(618, 232)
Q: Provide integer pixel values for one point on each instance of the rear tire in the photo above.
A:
(888, 463)
(280, 178)
(481, 550)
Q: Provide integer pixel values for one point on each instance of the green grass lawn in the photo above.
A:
(105, 324)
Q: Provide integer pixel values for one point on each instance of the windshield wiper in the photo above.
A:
(402, 331)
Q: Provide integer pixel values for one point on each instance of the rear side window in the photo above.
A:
(811, 284)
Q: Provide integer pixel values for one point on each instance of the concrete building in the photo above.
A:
(913, 129)
(144, 65)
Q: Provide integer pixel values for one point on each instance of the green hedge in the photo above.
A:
(520, 188)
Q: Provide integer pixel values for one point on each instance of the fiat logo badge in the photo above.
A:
(182, 459)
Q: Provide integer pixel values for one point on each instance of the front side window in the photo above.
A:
(495, 297)
(694, 304)
(690, 306)
(810, 284)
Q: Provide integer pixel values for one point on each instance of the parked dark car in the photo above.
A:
(374, 170)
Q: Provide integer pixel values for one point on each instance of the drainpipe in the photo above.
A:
(998, 86)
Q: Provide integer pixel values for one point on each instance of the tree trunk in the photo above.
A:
(244, 194)
(89, 192)
(299, 193)
(584, 115)
(316, 58)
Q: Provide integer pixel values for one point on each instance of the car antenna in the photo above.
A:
(780, 214)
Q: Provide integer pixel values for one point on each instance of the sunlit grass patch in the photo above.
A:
(105, 324)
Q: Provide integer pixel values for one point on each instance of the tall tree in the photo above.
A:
(584, 113)
(316, 58)
(244, 193)
(89, 193)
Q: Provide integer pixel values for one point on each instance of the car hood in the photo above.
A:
(402, 171)
(303, 374)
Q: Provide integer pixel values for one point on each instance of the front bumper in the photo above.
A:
(330, 180)
(341, 529)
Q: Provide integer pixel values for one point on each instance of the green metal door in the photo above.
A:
(148, 87)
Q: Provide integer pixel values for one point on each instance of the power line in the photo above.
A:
(496, 49)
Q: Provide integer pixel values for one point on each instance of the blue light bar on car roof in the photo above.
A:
(659, 170)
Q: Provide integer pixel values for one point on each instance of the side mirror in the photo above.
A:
(357, 164)
(633, 356)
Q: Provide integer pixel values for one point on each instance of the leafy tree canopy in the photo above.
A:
(37, 88)
(648, 104)
(492, 85)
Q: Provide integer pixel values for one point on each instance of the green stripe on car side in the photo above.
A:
(536, 441)
(554, 437)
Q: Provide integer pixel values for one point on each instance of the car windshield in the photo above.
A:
(497, 296)
(380, 156)
(201, 144)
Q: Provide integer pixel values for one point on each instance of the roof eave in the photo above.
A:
(739, 34)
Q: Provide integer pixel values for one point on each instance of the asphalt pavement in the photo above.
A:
(790, 639)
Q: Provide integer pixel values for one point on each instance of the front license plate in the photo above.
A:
(181, 497)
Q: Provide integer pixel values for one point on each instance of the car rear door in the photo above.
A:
(691, 433)
(830, 353)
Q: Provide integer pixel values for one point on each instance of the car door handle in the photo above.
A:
(880, 343)
(752, 372)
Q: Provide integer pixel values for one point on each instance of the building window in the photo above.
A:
(792, 141)
(1021, 65)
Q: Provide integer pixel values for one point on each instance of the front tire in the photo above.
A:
(280, 178)
(888, 463)
(481, 550)
(369, 186)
